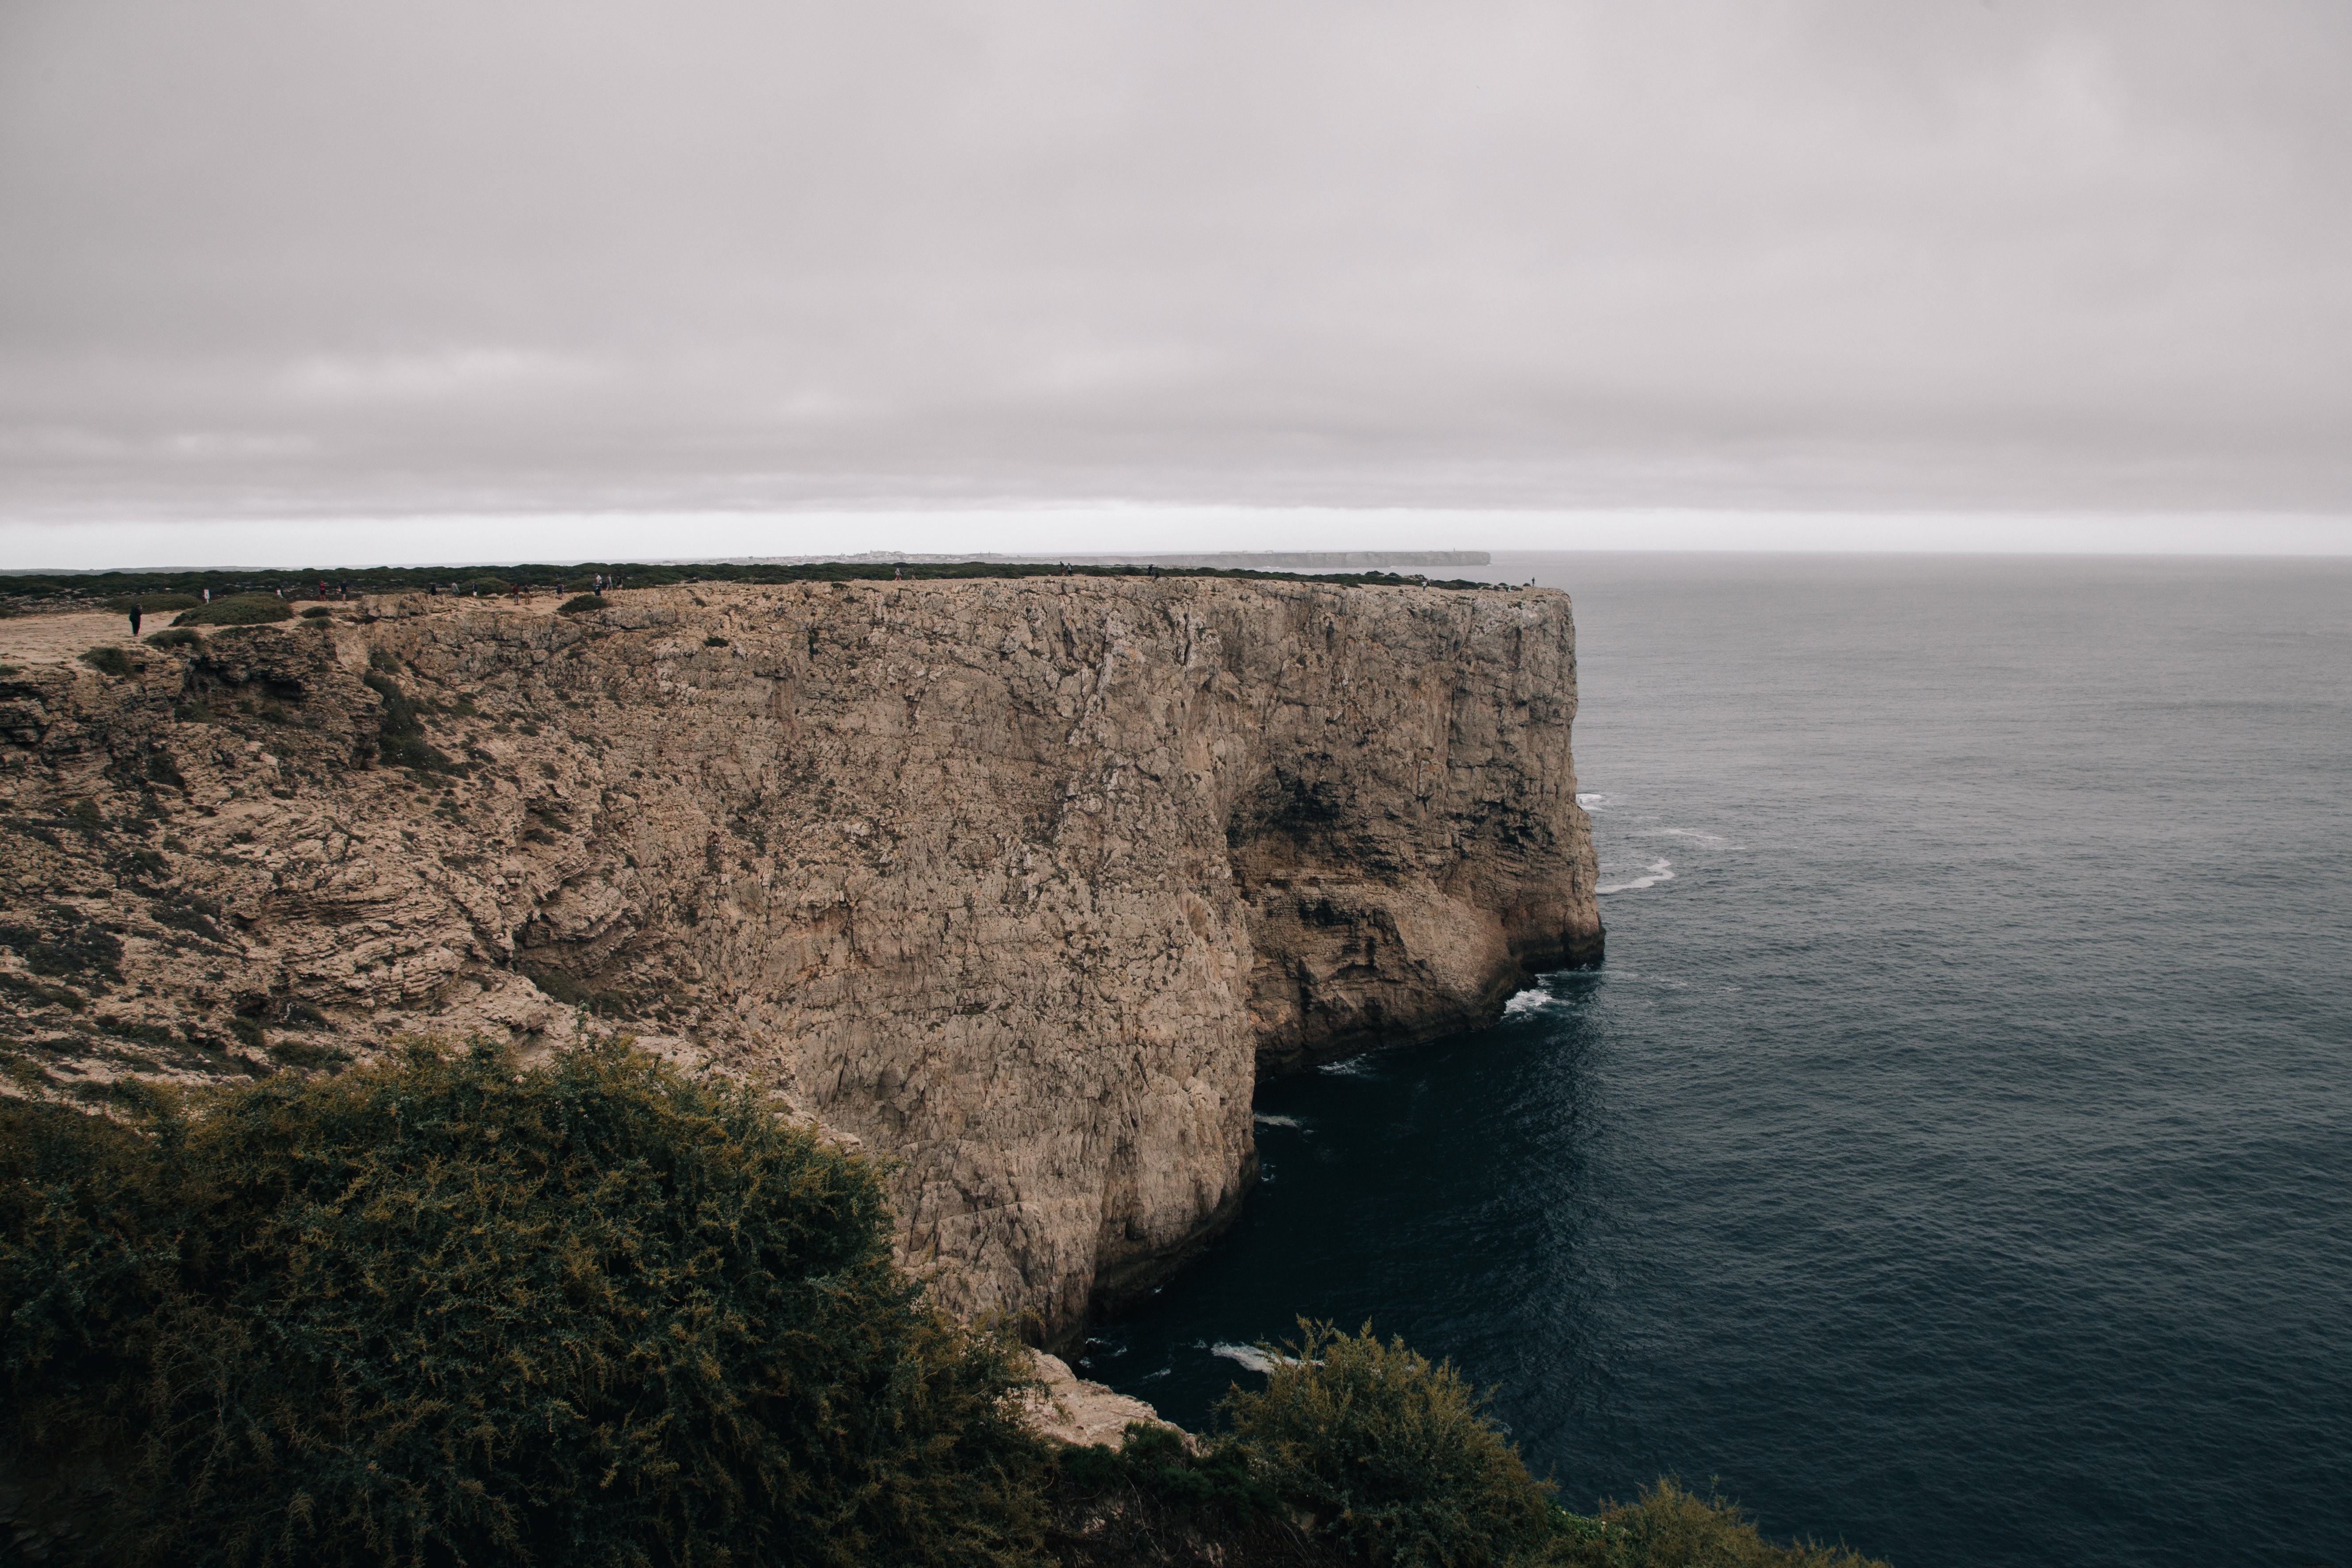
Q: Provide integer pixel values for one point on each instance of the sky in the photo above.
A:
(287, 279)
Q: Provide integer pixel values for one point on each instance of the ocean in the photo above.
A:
(1954, 1154)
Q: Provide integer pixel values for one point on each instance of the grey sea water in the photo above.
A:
(1955, 1153)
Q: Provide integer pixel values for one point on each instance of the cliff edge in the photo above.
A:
(1021, 882)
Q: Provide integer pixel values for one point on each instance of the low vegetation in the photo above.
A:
(444, 1310)
(31, 590)
(1391, 1455)
(400, 733)
(108, 660)
(236, 610)
(581, 603)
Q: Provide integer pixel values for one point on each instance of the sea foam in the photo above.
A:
(1250, 1356)
(1657, 871)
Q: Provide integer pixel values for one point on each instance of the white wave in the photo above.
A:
(1657, 871)
(1528, 1002)
(1590, 801)
(1354, 1066)
(1712, 840)
(1266, 1119)
(1249, 1356)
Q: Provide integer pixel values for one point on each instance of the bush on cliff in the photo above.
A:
(400, 733)
(442, 1311)
(581, 603)
(1391, 1461)
(236, 610)
(1393, 1456)
(1671, 1527)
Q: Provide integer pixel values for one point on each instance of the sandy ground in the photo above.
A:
(56, 640)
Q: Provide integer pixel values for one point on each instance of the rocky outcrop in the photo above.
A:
(1021, 882)
(1072, 1409)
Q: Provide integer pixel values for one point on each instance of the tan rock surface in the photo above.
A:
(1021, 882)
(1075, 1410)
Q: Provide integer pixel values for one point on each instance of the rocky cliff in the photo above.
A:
(1021, 882)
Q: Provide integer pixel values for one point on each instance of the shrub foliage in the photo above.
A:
(581, 603)
(1393, 1456)
(1670, 1526)
(236, 610)
(400, 733)
(442, 1311)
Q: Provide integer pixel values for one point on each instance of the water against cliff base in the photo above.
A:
(1956, 1151)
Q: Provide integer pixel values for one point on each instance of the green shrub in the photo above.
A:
(297, 1053)
(400, 735)
(236, 610)
(486, 586)
(579, 605)
(154, 603)
(1394, 1457)
(316, 612)
(1670, 1527)
(176, 636)
(1209, 1478)
(1157, 1500)
(442, 1311)
(109, 660)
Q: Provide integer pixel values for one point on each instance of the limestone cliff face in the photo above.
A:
(1021, 882)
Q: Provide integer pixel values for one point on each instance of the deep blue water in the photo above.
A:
(1955, 1153)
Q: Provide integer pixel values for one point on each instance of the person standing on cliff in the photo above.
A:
(135, 617)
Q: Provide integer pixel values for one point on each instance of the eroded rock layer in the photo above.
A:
(1021, 882)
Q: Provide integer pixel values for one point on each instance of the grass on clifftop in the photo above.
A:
(33, 591)
(442, 1310)
(236, 610)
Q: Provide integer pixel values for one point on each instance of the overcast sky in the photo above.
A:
(1859, 258)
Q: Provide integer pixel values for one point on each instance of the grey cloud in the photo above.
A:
(279, 256)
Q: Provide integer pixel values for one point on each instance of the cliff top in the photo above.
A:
(27, 591)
